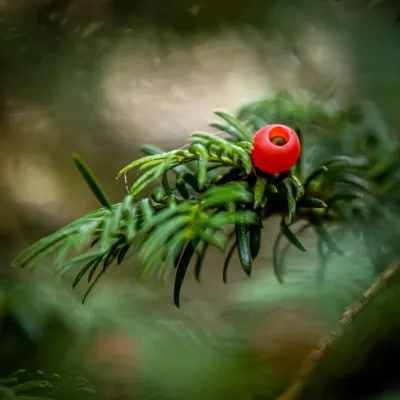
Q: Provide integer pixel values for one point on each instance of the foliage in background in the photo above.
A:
(22, 385)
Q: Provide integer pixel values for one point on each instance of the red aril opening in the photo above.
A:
(276, 148)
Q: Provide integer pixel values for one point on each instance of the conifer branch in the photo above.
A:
(212, 187)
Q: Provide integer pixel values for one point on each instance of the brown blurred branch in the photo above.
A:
(348, 316)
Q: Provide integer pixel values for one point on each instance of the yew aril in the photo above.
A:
(276, 149)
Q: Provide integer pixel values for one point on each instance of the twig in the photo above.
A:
(126, 183)
(350, 313)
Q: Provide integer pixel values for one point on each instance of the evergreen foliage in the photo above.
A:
(210, 194)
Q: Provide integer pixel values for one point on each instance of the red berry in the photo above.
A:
(276, 148)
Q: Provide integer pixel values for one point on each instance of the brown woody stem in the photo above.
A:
(350, 313)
